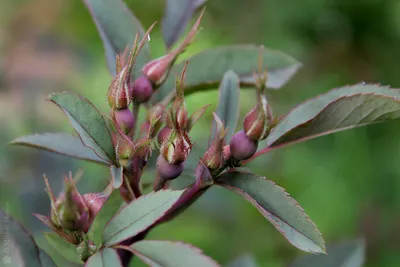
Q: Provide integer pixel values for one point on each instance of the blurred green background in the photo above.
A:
(347, 182)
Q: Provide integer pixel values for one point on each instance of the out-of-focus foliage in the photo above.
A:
(347, 182)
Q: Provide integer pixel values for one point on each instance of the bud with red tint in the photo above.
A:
(214, 156)
(242, 147)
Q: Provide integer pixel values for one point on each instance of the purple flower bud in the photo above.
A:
(163, 135)
(95, 202)
(141, 90)
(168, 171)
(227, 152)
(242, 147)
(119, 92)
(125, 119)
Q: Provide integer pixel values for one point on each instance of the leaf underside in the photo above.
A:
(345, 254)
(87, 122)
(207, 68)
(276, 205)
(60, 143)
(117, 27)
(117, 175)
(171, 254)
(339, 109)
(137, 216)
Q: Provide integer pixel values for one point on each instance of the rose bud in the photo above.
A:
(177, 148)
(69, 210)
(242, 147)
(157, 71)
(119, 93)
(141, 90)
(258, 121)
(227, 152)
(168, 171)
(125, 119)
(95, 202)
(163, 135)
(154, 119)
(214, 156)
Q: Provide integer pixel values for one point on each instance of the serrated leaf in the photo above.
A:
(339, 109)
(117, 27)
(18, 246)
(209, 66)
(87, 122)
(63, 247)
(228, 109)
(104, 258)
(117, 175)
(245, 260)
(171, 254)
(139, 215)
(60, 143)
(107, 211)
(276, 205)
(176, 17)
(346, 254)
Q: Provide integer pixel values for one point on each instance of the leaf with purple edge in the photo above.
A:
(60, 143)
(171, 254)
(344, 254)
(104, 258)
(276, 205)
(22, 247)
(176, 17)
(117, 27)
(210, 66)
(87, 122)
(339, 109)
(139, 215)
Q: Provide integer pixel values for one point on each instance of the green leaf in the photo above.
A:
(107, 211)
(206, 69)
(61, 143)
(177, 15)
(117, 175)
(228, 109)
(87, 122)
(117, 27)
(63, 247)
(276, 205)
(346, 254)
(339, 109)
(18, 246)
(245, 260)
(106, 257)
(171, 254)
(137, 216)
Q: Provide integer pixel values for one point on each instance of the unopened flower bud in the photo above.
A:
(227, 152)
(168, 171)
(177, 149)
(119, 93)
(156, 71)
(163, 135)
(125, 119)
(141, 90)
(258, 121)
(124, 151)
(242, 147)
(95, 202)
(154, 119)
(214, 156)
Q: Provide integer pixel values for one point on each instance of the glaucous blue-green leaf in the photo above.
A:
(228, 109)
(117, 27)
(339, 109)
(87, 122)
(176, 17)
(206, 69)
(245, 260)
(106, 257)
(276, 205)
(107, 211)
(18, 248)
(63, 247)
(61, 143)
(137, 216)
(117, 175)
(346, 254)
(171, 254)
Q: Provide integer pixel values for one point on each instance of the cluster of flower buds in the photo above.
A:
(71, 211)
(257, 123)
